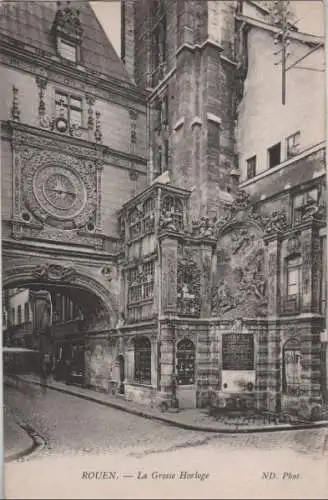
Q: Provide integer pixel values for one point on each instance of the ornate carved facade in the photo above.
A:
(189, 282)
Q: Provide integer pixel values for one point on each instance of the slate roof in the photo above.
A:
(31, 21)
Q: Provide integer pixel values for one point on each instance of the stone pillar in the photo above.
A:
(128, 36)
(311, 366)
(269, 373)
(169, 260)
(166, 359)
(215, 362)
(310, 334)
(307, 265)
(203, 368)
(206, 279)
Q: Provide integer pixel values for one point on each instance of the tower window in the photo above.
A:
(274, 155)
(251, 167)
(293, 144)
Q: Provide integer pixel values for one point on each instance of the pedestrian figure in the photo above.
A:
(68, 368)
(46, 367)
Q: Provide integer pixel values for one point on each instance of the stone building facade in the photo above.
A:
(185, 213)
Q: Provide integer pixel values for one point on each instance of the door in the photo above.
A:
(185, 371)
(121, 373)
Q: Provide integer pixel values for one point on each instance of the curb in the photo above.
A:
(168, 421)
(35, 443)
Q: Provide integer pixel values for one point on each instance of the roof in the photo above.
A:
(31, 22)
(306, 38)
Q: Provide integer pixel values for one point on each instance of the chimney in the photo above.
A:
(128, 35)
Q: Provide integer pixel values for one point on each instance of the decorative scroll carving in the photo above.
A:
(42, 82)
(53, 272)
(188, 286)
(90, 102)
(32, 140)
(98, 133)
(107, 273)
(68, 20)
(241, 209)
(293, 243)
(133, 119)
(15, 111)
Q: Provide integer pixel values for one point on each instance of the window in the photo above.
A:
(159, 48)
(19, 315)
(4, 320)
(67, 50)
(141, 282)
(142, 360)
(293, 144)
(26, 312)
(302, 202)
(293, 281)
(274, 154)
(185, 362)
(69, 107)
(251, 167)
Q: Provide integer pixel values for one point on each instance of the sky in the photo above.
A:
(309, 13)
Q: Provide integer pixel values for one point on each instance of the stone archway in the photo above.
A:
(57, 274)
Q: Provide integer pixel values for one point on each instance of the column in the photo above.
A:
(268, 370)
(166, 360)
(169, 259)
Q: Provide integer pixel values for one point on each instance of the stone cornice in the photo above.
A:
(30, 59)
(51, 250)
(98, 151)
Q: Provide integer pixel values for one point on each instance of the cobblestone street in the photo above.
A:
(82, 435)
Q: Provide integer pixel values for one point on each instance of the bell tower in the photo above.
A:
(184, 57)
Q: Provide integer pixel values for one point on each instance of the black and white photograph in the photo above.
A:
(164, 249)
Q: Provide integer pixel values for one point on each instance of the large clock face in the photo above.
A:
(59, 191)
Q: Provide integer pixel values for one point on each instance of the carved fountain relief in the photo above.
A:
(240, 287)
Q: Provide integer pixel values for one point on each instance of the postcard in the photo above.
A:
(164, 249)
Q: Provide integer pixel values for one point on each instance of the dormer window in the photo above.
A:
(67, 32)
(67, 50)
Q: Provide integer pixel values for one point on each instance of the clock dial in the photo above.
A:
(59, 191)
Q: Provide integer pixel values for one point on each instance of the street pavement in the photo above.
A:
(84, 436)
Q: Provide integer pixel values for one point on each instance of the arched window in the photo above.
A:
(291, 368)
(142, 360)
(185, 362)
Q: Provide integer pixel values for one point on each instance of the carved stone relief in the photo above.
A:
(240, 210)
(188, 286)
(240, 286)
